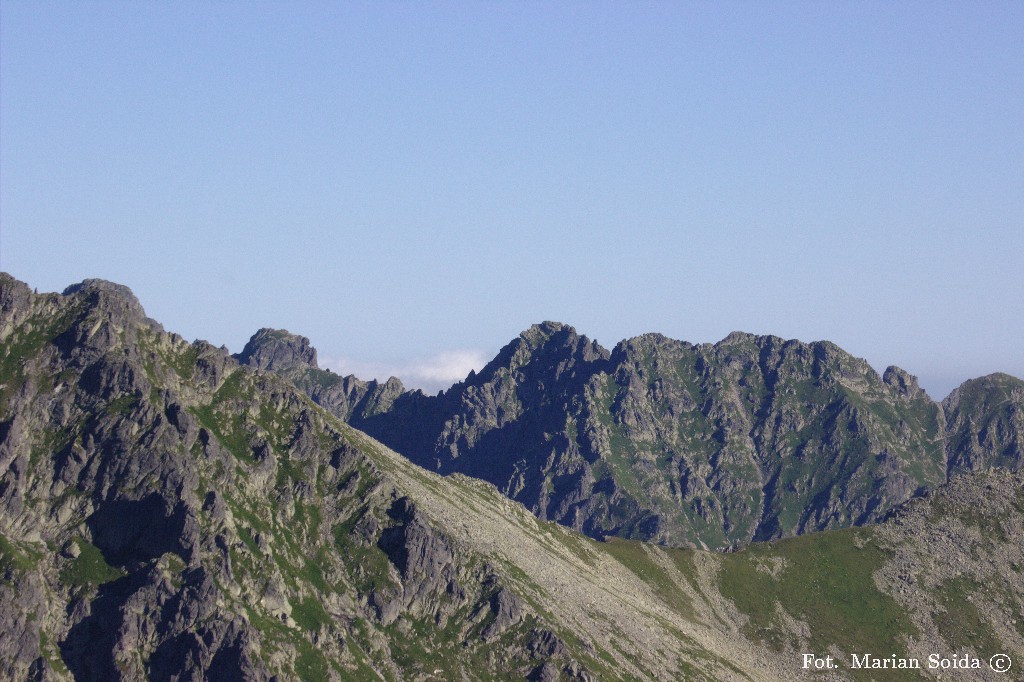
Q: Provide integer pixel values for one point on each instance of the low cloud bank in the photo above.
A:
(431, 374)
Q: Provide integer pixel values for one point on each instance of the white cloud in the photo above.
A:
(431, 373)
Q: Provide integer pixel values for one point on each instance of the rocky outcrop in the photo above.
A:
(279, 351)
(956, 568)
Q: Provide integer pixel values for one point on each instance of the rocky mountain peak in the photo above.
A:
(738, 337)
(116, 300)
(997, 387)
(640, 349)
(15, 298)
(985, 423)
(548, 345)
(904, 382)
(540, 334)
(649, 340)
(278, 350)
(550, 337)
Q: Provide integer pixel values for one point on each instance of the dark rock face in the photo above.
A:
(425, 560)
(507, 610)
(544, 643)
(905, 383)
(136, 531)
(718, 445)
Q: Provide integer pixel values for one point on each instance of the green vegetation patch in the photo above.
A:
(124, 404)
(319, 378)
(448, 648)
(313, 570)
(51, 652)
(15, 558)
(27, 341)
(184, 363)
(225, 420)
(635, 557)
(309, 613)
(89, 568)
(369, 566)
(310, 664)
(683, 560)
(824, 579)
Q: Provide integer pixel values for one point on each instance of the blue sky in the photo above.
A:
(412, 184)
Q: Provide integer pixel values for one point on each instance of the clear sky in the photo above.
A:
(413, 184)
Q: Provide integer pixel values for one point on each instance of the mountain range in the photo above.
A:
(169, 511)
(715, 446)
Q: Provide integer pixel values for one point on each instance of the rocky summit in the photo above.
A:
(170, 512)
(714, 446)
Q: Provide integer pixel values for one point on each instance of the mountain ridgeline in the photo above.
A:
(170, 512)
(752, 438)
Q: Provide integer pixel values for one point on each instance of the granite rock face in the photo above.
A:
(278, 350)
(169, 514)
(749, 439)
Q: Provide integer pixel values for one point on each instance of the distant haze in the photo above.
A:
(413, 184)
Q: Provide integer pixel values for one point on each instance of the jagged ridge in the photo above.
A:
(718, 445)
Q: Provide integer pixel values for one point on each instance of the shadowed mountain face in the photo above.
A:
(718, 445)
(167, 513)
